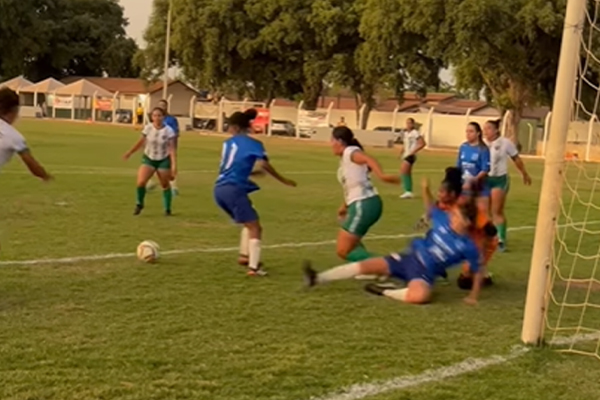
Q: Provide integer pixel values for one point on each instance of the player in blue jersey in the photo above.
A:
(239, 157)
(445, 245)
(474, 163)
(172, 123)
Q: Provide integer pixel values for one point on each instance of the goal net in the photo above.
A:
(563, 299)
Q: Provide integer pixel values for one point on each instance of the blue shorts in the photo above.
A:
(407, 267)
(236, 203)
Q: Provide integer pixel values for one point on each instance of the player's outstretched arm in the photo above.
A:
(427, 195)
(268, 168)
(361, 158)
(34, 166)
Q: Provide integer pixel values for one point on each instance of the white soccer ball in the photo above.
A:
(148, 251)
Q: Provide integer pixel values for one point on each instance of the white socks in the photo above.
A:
(396, 294)
(346, 271)
(253, 253)
(244, 237)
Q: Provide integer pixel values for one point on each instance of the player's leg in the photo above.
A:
(361, 216)
(164, 177)
(406, 176)
(174, 187)
(498, 200)
(408, 269)
(372, 266)
(246, 215)
(145, 172)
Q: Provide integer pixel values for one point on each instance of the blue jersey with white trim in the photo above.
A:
(472, 160)
(239, 154)
(443, 248)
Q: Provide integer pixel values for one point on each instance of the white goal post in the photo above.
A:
(549, 204)
(563, 292)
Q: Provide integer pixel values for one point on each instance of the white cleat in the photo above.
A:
(407, 195)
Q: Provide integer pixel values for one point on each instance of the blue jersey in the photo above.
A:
(240, 153)
(443, 248)
(472, 160)
(172, 123)
(437, 216)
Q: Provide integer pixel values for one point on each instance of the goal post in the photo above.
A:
(549, 203)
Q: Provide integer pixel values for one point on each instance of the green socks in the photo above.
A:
(407, 183)
(501, 232)
(141, 194)
(359, 253)
(167, 199)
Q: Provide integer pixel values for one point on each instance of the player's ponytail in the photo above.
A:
(453, 180)
(243, 120)
(346, 136)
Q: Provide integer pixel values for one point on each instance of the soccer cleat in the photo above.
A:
(379, 289)
(488, 281)
(310, 275)
(501, 247)
(407, 195)
(138, 209)
(257, 272)
(168, 213)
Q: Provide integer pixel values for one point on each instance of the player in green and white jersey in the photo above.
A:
(362, 205)
(160, 157)
(11, 141)
(501, 149)
(413, 143)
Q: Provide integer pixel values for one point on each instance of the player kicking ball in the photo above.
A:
(445, 245)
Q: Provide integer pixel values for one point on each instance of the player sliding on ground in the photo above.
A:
(362, 205)
(446, 244)
(501, 149)
(453, 192)
(160, 158)
(238, 158)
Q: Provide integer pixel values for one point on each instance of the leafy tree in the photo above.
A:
(64, 37)
(508, 48)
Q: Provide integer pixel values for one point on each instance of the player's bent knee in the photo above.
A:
(419, 292)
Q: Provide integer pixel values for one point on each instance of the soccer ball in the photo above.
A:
(147, 251)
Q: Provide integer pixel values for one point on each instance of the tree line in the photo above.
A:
(506, 49)
(59, 38)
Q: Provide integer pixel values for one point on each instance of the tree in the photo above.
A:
(64, 37)
(508, 48)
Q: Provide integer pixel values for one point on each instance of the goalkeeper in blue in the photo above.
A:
(445, 245)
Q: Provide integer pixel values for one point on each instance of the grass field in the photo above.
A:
(195, 327)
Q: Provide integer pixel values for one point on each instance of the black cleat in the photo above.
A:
(138, 209)
(310, 275)
(488, 281)
(377, 289)
(168, 213)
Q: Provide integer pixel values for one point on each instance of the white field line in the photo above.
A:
(361, 391)
(291, 245)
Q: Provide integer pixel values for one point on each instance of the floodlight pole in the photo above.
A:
(167, 51)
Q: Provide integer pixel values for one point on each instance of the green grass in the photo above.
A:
(195, 327)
